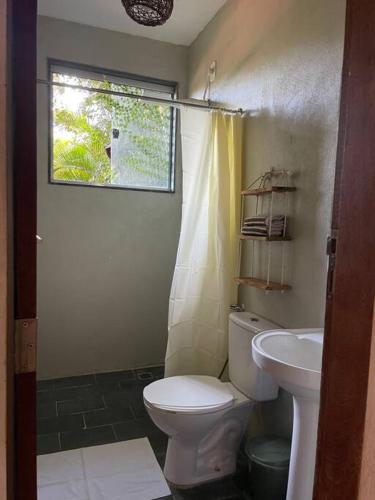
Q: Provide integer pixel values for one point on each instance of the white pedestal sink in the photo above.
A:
(294, 358)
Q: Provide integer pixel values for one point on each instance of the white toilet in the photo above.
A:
(204, 418)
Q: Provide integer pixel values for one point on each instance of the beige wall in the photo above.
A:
(282, 60)
(102, 293)
(106, 262)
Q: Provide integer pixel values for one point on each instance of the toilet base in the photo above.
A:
(180, 474)
(192, 462)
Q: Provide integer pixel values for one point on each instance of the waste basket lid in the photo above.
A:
(269, 450)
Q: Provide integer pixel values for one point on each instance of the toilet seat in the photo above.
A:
(193, 394)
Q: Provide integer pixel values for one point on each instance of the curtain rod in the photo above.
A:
(177, 103)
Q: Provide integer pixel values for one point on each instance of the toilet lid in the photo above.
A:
(188, 394)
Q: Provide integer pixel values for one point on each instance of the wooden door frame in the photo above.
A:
(342, 468)
(17, 245)
(24, 143)
(6, 268)
(343, 459)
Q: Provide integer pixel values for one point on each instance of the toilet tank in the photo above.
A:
(243, 372)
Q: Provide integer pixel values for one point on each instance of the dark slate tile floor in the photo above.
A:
(95, 409)
(103, 408)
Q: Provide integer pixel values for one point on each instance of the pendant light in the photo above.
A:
(149, 12)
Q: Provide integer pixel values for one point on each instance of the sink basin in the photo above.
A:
(294, 359)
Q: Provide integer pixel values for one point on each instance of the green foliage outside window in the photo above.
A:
(101, 139)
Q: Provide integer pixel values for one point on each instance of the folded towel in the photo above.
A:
(266, 216)
(259, 231)
(264, 226)
(264, 235)
(265, 219)
(253, 224)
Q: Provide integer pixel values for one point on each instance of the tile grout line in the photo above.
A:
(85, 473)
(132, 411)
(72, 387)
(59, 438)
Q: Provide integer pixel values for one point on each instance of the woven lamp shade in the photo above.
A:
(149, 12)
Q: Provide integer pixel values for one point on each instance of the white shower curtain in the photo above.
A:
(203, 287)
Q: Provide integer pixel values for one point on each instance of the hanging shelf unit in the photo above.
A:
(265, 187)
(263, 284)
(264, 238)
(267, 190)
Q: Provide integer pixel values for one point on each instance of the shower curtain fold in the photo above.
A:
(203, 287)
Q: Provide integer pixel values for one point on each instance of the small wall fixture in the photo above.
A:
(149, 12)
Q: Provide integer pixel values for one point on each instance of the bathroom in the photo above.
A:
(107, 253)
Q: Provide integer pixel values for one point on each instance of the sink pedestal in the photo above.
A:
(302, 460)
(294, 359)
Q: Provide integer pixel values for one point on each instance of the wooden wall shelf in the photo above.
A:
(262, 284)
(263, 186)
(264, 238)
(268, 190)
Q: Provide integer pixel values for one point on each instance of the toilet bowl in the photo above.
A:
(204, 418)
(204, 435)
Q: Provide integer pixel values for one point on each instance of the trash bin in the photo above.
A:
(268, 458)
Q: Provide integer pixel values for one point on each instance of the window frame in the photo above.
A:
(122, 75)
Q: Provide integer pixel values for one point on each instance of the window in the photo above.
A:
(107, 140)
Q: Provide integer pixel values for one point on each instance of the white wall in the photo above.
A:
(283, 60)
(106, 262)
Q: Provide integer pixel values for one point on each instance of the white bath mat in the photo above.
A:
(120, 471)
